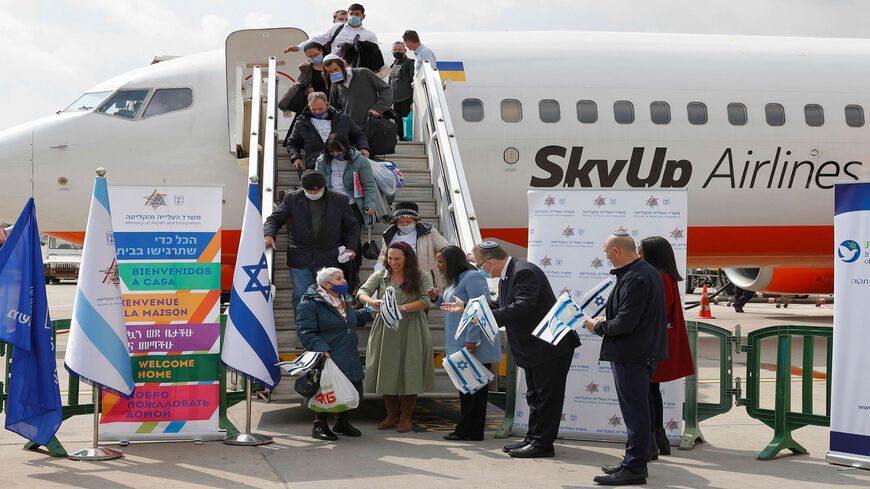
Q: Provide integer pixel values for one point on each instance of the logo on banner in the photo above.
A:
(550, 201)
(592, 388)
(599, 201)
(546, 261)
(597, 263)
(614, 420)
(652, 201)
(677, 233)
(110, 237)
(110, 275)
(568, 232)
(849, 251)
(672, 425)
(155, 200)
(565, 290)
(179, 199)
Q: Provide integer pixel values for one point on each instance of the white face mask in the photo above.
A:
(407, 229)
(316, 196)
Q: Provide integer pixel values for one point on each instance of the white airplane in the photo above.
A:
(756, 128)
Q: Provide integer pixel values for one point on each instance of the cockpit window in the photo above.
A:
(168, 100)
(87, 102)
(125, 103)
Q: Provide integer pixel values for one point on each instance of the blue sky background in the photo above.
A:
(54, 50)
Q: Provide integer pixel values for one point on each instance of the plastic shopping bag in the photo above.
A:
(336, 394)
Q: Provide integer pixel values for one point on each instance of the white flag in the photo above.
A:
(594, 300)
(301, 364)
(561, 318)
(466, 371)
(390, 309)
(477, 311)
(250, 346)
(97, 348)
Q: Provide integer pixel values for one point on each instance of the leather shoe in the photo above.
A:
(622, 477)
(514, 446)
(455, 437)
(531, 451)
(611, 469)
(343, 427)
(321, 431)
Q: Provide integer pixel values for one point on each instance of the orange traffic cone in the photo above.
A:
(704, 312)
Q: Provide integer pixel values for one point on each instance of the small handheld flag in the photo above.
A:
(563, 316)
(466, 371)
(594, 300)
(390, 309)
(477, 311)
(301, 364)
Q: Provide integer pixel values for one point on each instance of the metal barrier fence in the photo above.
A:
(74, 407)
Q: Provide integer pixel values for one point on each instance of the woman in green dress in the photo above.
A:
(399, 363)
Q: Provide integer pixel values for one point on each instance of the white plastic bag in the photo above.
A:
(384, 177)
(336, 394)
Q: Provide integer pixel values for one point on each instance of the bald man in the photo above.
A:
(635, 340)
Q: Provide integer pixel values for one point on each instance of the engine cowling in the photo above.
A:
(783, 280)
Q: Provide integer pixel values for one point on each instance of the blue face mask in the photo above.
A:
(336, 77)
(339, 289)
(339, 155)
(320, 115)
(317, 60)
(354, 21)
(407, 229)
(484, 272)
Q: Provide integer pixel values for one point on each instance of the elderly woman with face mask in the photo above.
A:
(422, 237)
(326, 322)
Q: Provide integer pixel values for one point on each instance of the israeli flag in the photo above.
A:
(466, 371)
(594, 301)
(563, 316)
(478, 309)
(250, 347)
(301, 364)
(97, 349)
(390, 309)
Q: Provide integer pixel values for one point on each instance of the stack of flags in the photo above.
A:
(567, 315)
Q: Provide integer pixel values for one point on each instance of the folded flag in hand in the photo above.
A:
(390, 309)
(563, 316)
(477, 310)
(301, 364)
(466, 371)
(594, 300)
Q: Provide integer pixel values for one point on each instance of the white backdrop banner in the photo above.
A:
(850, 395)
(567, 229)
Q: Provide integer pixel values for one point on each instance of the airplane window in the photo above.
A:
(587, 111)
(623, 112)
(511, 110)
(125, 103)
(168, 100)
(775, 114)
(549, 111)
(87, 101)
(660, 112)
(697, 112)
(854, 116)
(472, 110)
(737, 114)
(814, 115)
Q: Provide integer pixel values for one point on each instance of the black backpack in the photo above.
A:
(363, 54)
(382, 135)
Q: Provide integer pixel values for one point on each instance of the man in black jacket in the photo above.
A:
(524, 298)
(320, 222)
(635, 340)
(315, 124)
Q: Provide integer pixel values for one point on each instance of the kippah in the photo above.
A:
(331, 56)
(488, 245)
(620, 233)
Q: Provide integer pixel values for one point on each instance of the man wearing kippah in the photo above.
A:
(524, 299)
(323, 230)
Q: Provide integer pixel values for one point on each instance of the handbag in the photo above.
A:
(308, 383)
(370, 249)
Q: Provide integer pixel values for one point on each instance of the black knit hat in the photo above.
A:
(313, 180)
(406, 209)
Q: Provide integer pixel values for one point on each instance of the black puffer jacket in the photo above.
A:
(305, 136)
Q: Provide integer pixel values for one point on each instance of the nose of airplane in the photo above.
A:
(16, 171)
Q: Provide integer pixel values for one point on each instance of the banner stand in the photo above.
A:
(96, 453)
(247, 438)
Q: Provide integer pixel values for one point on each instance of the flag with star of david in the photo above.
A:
(593, 302)
(466, 371)
(561, 319)
(250, 347)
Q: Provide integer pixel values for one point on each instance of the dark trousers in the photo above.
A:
(632, 382)
(402, 109)
(546, 396)
(656, 406)
(472, 414)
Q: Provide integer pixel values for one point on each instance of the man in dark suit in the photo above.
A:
(524, 298)
(635, 340)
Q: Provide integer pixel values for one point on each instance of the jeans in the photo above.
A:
(302, 279)
(632, 382)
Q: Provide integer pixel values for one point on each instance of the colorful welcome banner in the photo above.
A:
(168, 242)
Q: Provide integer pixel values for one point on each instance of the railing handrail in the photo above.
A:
(436, 131)
(267, 201)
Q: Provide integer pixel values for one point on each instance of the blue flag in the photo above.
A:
(33, 408)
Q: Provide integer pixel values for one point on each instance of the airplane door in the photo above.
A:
(248, 48)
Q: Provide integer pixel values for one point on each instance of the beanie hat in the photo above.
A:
(406, 209)
(313, 180)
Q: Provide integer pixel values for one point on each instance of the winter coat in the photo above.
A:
(295, 99)
(471, 284)
(636, 327)
(679, 363)
(429, 243)
(305, 136)
(338, 227)
(366, 91)
(320, 327)
(401, 77)
(356, 163)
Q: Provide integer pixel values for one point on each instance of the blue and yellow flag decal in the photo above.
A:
(454, 70)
